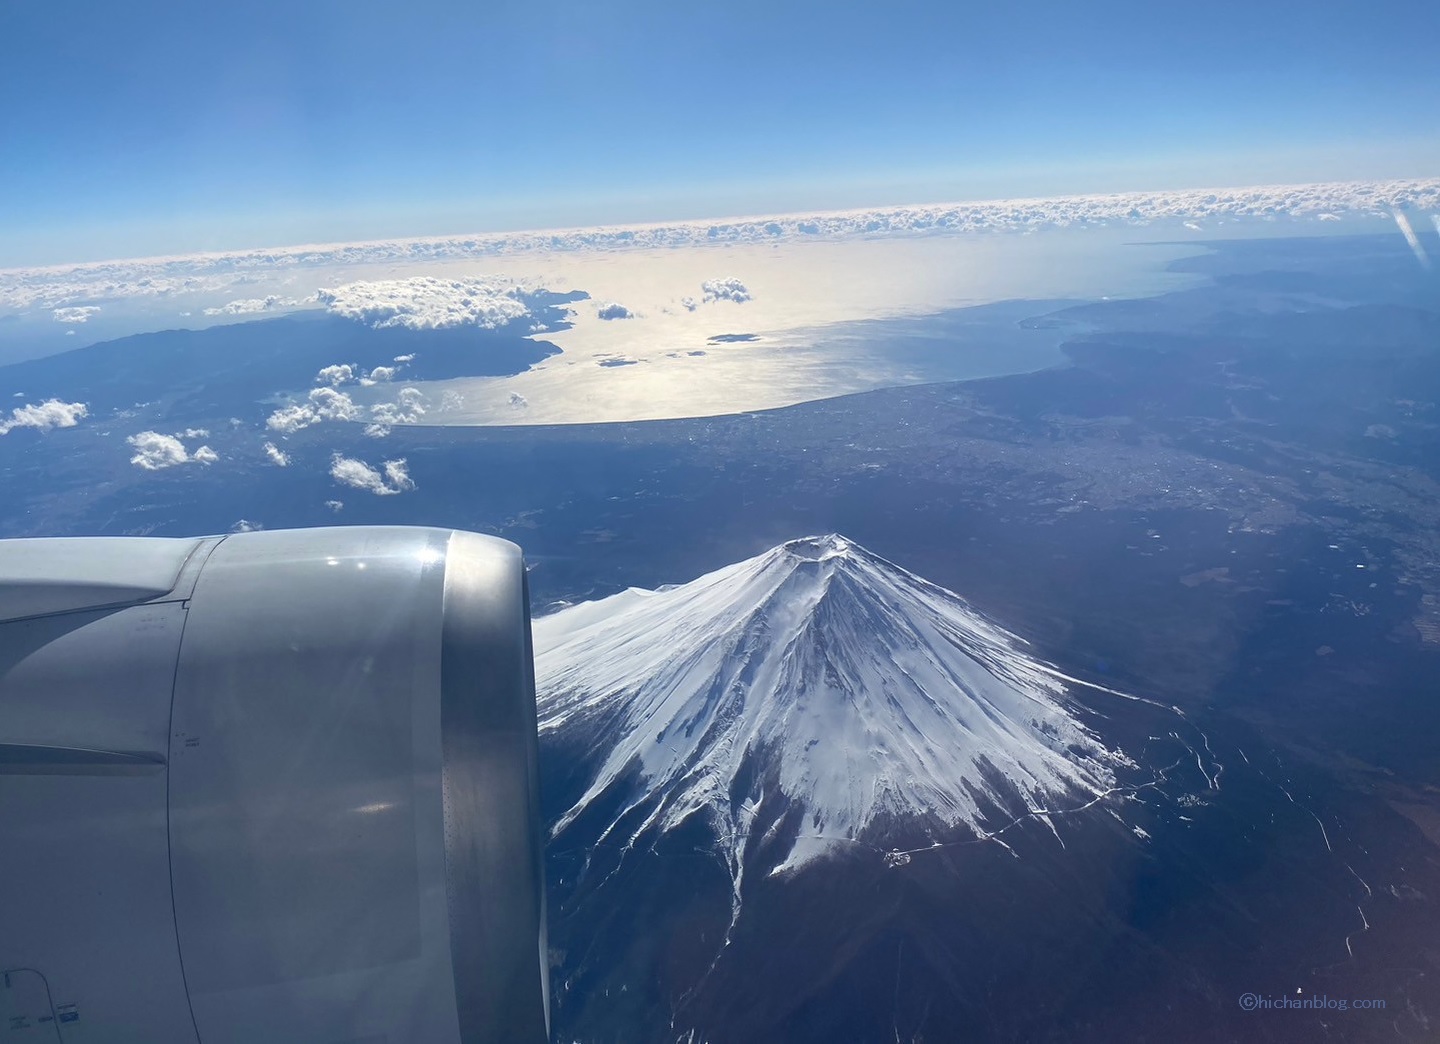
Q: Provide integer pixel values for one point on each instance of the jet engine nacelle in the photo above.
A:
(275, 786)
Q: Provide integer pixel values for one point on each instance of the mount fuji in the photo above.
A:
(739, 772)
(819, 676)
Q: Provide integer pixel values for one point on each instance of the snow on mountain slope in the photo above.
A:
(853, 687)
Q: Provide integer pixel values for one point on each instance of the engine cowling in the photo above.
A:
(273, 786)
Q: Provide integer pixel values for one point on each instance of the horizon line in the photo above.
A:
(1377, 197)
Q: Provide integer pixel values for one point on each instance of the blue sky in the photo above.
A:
(143, 127)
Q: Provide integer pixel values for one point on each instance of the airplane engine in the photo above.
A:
(274, 786)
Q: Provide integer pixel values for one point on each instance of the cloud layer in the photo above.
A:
(58, 285)
(43, 416)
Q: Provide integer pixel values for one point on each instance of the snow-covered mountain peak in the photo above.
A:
(819, 548)
(817, 675)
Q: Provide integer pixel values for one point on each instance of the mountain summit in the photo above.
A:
(817, 679)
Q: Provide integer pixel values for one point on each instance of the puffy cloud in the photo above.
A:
(253, 305)
(341, 373)
(290, 419)
(276, 455)
(322, 404)
(518, 401)
(155, 452)
(52, 413)
(730, 289)
(335, 505)
(427, 303)
(195, 433)
(689, 303)
(614, 310)
(409, 406)
(75, 315)
(395, 477)
(333, 405)
(246, 526)
(379, 375)
(402, 359)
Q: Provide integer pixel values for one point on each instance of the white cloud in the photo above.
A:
(398, 475)
(252, 305)
(402, 359)
(352, 472)
(290, 419)
(195, 433)
(155, 452)
(322, 404)
(518, 401)
(276, 455)
(409, 406)
(614, 310)
(379, 375)
(341, 373)
(689, 303)
(43, 416)
(246, 526)
(75, 315)
(335, 505)
(427, 303)
(730, 289)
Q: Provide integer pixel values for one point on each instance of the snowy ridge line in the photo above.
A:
(53, 285)
(1161, 777)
